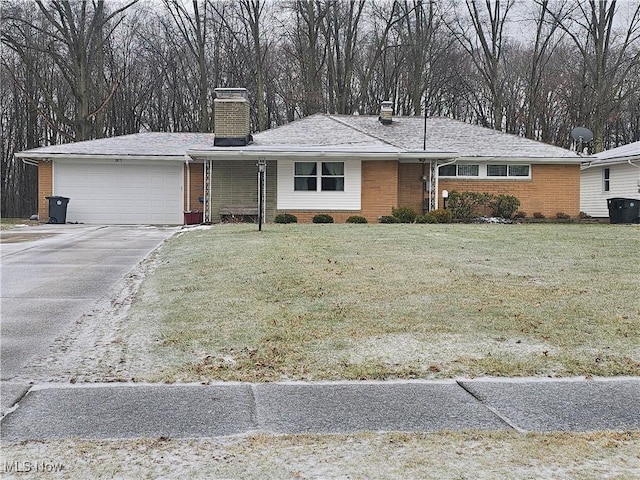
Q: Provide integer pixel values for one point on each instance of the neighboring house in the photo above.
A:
(342, 165)
(613, 173)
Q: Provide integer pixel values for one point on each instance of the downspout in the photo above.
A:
(188, 167)
(438, 177)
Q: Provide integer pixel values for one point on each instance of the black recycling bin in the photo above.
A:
(57, 209)
(624, 210)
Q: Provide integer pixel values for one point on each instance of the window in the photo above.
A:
(496, 170)
(606, 183)
(508, 170)
(306, 176)
(518, 170)
(333, 176)
(462, 170)
(448, 170)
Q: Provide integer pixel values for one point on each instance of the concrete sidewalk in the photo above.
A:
(106, 411)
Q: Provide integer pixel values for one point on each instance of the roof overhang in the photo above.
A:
(297, 152)
(26, 156)
(631, 160)
(527, 160)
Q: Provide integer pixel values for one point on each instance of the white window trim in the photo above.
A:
(348, 200)
(482, 173)
(319, 176)
(606, 182)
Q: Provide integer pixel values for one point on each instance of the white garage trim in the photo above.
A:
(121, 192)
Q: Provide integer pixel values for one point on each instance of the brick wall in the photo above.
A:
(197, 186)
(410, 186)
(379, 188)
(45, 188)
(552, 189)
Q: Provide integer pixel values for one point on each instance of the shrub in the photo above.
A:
(323, 218)
(584, 215)
(285, 218)
(538, 215)
(388, 219)
(428, 218)
(563, 216)
(356, 219)
(520, 214)
(404, 214)
(467, 205)
(504, 206)
(441, 215)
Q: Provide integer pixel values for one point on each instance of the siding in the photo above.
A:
(551, 189)
(235, 184)
(349, 199)
(623, 182)
(196, 188)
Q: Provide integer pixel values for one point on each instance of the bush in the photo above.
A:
(428, 218)
(467, 205)
(323, 218)
(584, 215)
(538, 215)
(285, 218)
(520, 214)
(504, 206)
(563, 216)
(356, 219)
(388, 219)
(404, 214)
(441, 216)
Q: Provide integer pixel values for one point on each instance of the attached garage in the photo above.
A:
(138, 179)
(121, 191)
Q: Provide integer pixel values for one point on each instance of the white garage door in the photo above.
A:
(121, 193)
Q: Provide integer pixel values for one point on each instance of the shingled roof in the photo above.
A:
(330, 134)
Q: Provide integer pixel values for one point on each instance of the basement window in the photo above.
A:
(318, 176)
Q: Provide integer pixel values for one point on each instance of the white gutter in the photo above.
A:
(535, 160)
(270, 154)
(88, 156)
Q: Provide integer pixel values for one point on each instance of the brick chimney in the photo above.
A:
(231, 117)
(386, 112)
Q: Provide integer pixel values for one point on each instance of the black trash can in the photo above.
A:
(57, 209)
(623, 210)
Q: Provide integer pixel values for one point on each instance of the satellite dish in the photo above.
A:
(582, 134)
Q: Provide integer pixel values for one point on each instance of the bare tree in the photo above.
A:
(192, 27)
(76, 34)
(608, 57)
(483, 40)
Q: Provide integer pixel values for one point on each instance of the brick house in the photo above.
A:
(342, 165)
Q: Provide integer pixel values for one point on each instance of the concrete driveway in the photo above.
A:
(52, 274)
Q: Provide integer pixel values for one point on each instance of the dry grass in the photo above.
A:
(391, 301)
(465, 455)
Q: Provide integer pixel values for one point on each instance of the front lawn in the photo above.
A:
(324, 302)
